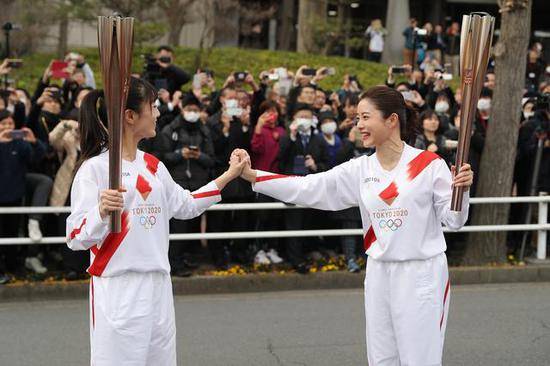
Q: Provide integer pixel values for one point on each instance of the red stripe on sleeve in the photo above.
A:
(152, 163)
(108, 248)
(444, 301)
(206, 194)
(418, 164)
(271, 177)
(77, 231)
(370, 238)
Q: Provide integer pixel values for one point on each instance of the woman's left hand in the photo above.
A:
(464, 178)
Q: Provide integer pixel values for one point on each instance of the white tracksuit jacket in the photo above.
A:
(151, 200)
(402, 210)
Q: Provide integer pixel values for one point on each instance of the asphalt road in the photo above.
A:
(488, 325)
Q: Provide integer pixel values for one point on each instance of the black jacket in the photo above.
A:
(15, 157)
(172, 76)
(237, 138)
(289, 150)
(189, 173)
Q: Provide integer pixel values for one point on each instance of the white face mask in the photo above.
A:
(528, 115)
(441, 107)
(191, 116)
(328, 128)
(303, 124)
(484, 104)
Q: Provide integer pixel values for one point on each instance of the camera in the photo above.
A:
(240, 75)
(15, 63)
(398, 69)
(420, 32)
(309, 72)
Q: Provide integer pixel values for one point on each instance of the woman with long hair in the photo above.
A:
(404, 196)
(131, 304)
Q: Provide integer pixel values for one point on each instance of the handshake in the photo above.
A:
(240, 166)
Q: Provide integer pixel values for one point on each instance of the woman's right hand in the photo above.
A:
(110, 200)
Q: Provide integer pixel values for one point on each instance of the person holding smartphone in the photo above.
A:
(301, 153)
(18, 148)
(189, 156)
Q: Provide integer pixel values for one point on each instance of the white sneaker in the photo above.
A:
(261, 258)
(34, 230)
(35, 265)
(274, 256)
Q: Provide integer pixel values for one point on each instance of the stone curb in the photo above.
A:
(207, 285)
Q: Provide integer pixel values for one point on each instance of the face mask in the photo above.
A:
(328, 128)
(303, 124)
(528, 115)
(484, 104)
(441, 107)
(191, 116)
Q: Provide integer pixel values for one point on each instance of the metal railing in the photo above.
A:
(541, 227)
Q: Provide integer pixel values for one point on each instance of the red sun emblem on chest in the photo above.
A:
(143, 187)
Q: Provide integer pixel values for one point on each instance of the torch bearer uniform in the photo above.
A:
(131, 304)
(407, 283)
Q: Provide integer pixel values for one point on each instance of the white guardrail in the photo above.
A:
(541, 227)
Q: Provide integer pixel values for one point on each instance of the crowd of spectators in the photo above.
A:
(288, 123)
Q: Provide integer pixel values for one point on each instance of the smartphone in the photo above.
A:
(17, 134)
(15, 63)
(447, 76)
(398, 69)
(196, 81)
(58, 69)
(272, 117)
(407, 95)
(282, 72)
(330, 71)
(240, 75)
(56, 94)
(193, 148)
(299, 165)
(420, 31)
(309, 72)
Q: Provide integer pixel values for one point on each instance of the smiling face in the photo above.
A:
(374, 128)
(143, 124)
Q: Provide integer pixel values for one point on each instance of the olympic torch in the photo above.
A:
(475, 45)
(116, 41)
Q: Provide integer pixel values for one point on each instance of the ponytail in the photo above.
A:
(412, 127)
(93, 121)
(94, 133)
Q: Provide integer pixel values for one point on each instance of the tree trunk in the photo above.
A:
(287, 30)
(63, 37)
(397, 18)
(174, 34)
(497, 161)
(309, 12)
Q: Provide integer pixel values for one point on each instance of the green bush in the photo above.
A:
(223, 61)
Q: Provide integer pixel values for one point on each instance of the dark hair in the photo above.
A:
(428, 114)
(4, 113)
(267, 105)
(350, 99)
(388, 100)
(301, 107)
(93, 122)
(165, 48)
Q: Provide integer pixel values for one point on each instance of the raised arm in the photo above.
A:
(334, 190)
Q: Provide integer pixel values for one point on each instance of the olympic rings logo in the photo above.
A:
(390, 224)
(148, 221)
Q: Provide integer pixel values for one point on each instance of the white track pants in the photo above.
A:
(406, 310)
(132, 320)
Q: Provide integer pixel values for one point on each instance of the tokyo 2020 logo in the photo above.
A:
(390, 224)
